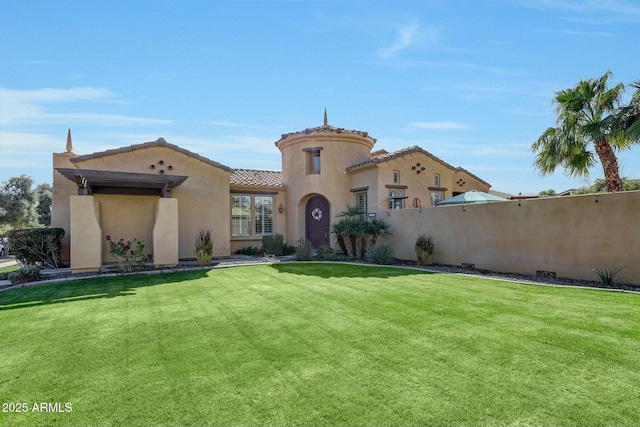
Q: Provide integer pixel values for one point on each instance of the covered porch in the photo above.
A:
(86, 225)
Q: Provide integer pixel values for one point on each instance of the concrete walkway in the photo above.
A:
(7, 262)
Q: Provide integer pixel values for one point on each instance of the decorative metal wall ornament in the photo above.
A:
(161, 171)
(418, 168)
(316, 214)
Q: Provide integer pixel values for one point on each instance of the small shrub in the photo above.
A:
(303, 250)
(204, 247)
(273, 245)
(607, 274)
(326, 253)
(37, 246)
(288, 249)
(380, 254)
(129, 254)
(424, 249)
(249, 250)
(27, 274)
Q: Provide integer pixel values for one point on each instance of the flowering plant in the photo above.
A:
(129, 254)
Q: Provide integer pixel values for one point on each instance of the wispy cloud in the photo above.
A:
(446, 125)
(40, 106)
(405, 36)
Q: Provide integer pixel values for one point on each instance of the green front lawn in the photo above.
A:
(318, 344)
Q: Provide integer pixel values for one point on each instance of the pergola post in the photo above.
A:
(165, 233)
(86, 234)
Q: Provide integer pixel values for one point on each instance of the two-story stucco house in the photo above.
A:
(164, 194)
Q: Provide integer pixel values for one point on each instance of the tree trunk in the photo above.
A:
(374, 240)
(348, 244)
(609, 164)
(358, 248)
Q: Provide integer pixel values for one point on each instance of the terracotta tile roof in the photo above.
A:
(256, 178)
(325, 129)
(160, 142)
(403, 152)
(378, 153)
(501, 194)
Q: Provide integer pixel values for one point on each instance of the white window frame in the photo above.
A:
(247, 225)
(396, 203)
(436, 196)
(362, 201)
(239, 225)
(264, 217)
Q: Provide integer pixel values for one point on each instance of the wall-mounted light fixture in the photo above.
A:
(281, 208)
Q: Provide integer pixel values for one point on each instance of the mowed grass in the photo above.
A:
(319, 344)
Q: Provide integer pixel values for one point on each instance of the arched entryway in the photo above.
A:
(317, 221)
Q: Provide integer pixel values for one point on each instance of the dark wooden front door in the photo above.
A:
(317, 221)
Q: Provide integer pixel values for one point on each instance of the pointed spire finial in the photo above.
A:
(325, 117)
(69, 143)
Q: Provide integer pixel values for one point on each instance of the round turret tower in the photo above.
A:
(314, 161)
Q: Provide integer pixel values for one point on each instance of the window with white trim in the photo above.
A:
(396, 177)
(241, 215)
(396, 199)
(361, 201)
(436, 197)
(247, 222)
(436, 180)
(263, 215)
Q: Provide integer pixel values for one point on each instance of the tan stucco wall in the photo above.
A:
(86, 251)
(567, 235)
(165, 233)
(203, 198)
(126, 217)
(366, 177)
(62, 190)
(338, 152)
(418, 184)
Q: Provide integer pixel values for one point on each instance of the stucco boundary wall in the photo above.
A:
(569, 236)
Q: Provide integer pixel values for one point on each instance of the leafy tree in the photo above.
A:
(600, 186)
(584, 116)
(547, 193)
(18, 202)
(44, 195)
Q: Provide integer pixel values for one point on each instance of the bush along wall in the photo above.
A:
(37, 246)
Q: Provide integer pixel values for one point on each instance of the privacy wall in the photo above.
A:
(569, 236)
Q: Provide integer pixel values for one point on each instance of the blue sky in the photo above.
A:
(469, 81)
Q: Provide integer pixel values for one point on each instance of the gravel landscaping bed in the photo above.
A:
(524, 278)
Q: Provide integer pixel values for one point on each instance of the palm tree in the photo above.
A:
(352, 228)
(628, 117)
(378, 228)
(584, 118)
